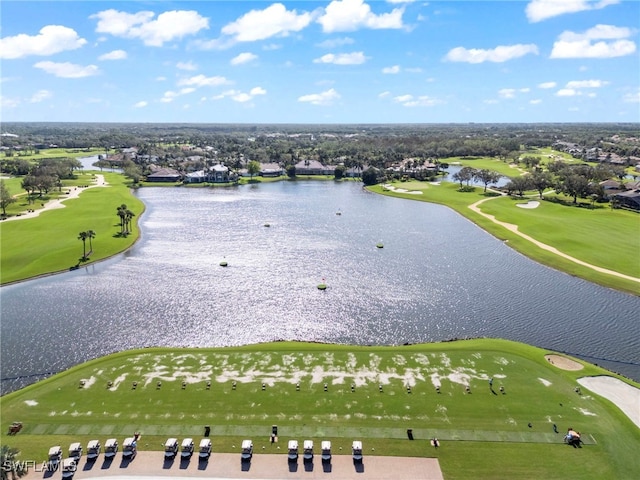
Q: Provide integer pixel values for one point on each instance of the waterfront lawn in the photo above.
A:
(604, 225)
(49, 243)
(490, 163)
(59, 153)
(600, 236)
(483, 434)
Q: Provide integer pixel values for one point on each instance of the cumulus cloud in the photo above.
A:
(190, 66)
(39, 96)
(535, 101)
(632, 97)
(586, 83)
(68, 70)
(351, 15)
(323, 98)
(538, 10)
(273, 21)
(567, 92)
(167, 27)
(170, 95)
(419, 101)
(391, 70)
(336, 42)
(601, 41)
(501, 53)
(6, 102)
(140, 104)
(113, 55)
(507, 93)
(384, 94)
(239, 96)
(203, 81)
(257, 91)
(244, 57)
(50, 40)
(354, 58)
(547, 85)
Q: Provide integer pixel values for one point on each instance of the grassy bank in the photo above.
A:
(601, 236)
(484, 433)
(49, 243)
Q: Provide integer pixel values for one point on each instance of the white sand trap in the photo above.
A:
(623, 395)
(529, 204)
(415, 192)
(31, 403)
(434, 183)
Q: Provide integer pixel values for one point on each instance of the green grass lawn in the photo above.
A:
(59, 153)
(483, 434)
(494, 164)
(49, 243)
(607, 238)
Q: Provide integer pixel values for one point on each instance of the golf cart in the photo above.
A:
(293, 450)
(93, 449)
(129, 447)
(326, 451)
(75, 451)
(171, 448)
(110, 448)
(356, 448)
(204, 448)
(308, 451)
(69, 467)
(247, 450)
(187, 448)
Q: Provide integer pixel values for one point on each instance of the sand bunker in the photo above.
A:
(529, 204)
(623, 395)
(563, 362)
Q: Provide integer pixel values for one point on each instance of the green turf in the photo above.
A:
(480, 431)
(49, 243)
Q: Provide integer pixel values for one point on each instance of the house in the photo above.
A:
(629, 199)
(312, 167)
(164, 175)
(218, 174)
(270, 170)
(195, 177)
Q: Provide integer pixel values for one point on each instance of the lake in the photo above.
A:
(438, 277)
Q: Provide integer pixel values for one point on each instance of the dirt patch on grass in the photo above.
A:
(563, 362)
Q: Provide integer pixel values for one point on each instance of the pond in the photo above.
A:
(437, 277)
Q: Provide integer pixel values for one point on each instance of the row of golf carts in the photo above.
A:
(187, 448)
(69, 465)
(307, 453)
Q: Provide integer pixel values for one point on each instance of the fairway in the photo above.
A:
(471, 395)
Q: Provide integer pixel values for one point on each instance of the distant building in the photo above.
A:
(164, 175)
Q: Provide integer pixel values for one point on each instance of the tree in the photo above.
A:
(541, 181)
(291, 171)
(518, 184)
(370, 176)
(121, 213)
(487, 176)
(253, 168)
(90, 234)
(83, 236)
(9, 463)
(6, 198)
(465, 174)
(574, 185)
(339, 172)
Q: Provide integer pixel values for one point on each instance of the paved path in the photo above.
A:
(228, 466)
(544, 246)
(71, 192)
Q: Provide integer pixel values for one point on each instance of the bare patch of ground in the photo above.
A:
(563, 362)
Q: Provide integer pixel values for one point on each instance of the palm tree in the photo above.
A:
(128, 215)
(83, 236)
(90, 234)
(121, 213)
(9, 463)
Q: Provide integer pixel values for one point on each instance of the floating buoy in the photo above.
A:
(380, 245)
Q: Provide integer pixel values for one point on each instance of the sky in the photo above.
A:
(340, 61)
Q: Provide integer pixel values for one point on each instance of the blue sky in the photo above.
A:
(341, 61)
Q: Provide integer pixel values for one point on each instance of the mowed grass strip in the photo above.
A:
(49, 243)
(60, 410)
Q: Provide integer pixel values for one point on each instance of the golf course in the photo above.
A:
(499, 408)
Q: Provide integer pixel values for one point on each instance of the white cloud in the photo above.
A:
(633, 97)
(168, 26)
(350, 15)
(413, 70)
(140, 104)
(507, 93)
(190, 66)
(244, 57)
(354, 58)
(422, 101)
(257, 91)
(51, 39)
(202, 81)
(114, 55)
(391, 70)
(241, 97)
(68, 70)
(403, 98)
(547, 85)
(535, 101)
(499, 54)
(6, 102)
(587, 84)
(336, 42)
(40, 95)
(538, 10)
(567, 92)
(612, 43)
(324, 98)
(275, 20)
(171, 95)
(384, 94)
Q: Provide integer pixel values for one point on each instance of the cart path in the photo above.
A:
(72, 192)
(544, 246)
